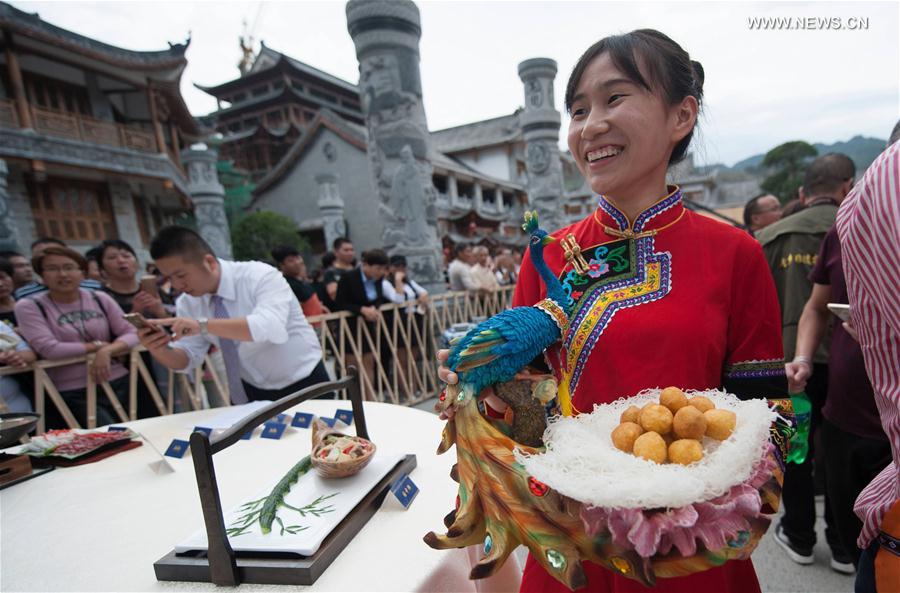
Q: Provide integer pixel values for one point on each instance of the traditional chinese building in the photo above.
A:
(91, 136)
(301, 134)
(262, 113)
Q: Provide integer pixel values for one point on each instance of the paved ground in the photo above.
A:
(777, 573)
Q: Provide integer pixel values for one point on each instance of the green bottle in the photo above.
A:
(800, 441)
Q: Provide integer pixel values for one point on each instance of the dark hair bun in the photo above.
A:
(699, 75)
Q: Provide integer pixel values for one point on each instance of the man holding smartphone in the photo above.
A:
(246, 309)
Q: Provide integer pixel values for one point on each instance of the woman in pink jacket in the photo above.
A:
(69, 321)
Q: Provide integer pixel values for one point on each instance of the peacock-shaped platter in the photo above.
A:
(577, 496)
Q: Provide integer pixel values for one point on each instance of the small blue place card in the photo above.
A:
(345, 416)
(177, 448)
(281, 418)
(203, 429)
(405, 490)
(273, 430)
(301, 420)
(329, 422)
(117, 429)
(247, 435)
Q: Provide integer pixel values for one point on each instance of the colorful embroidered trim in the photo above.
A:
(656, 209)
(556, 313)
(613, 212)
(754, 369)
(644, 217)
(651, 281)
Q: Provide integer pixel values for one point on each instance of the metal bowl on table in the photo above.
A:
(14, 426)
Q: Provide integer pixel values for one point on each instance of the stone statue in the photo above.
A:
(408, 198)
(386, 34)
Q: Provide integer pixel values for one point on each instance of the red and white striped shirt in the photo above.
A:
(869, 228)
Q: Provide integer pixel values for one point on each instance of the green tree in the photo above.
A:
(254, 235)
(238, 189)
(787, 163)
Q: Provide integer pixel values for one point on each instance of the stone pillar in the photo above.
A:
(208, 197)
(331, 206)
(452, 189)
(498, 199)
(478, 197)
(7, 237)
(386, 35)
(540, 129)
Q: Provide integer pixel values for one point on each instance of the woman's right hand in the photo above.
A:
(449, 377)
(444, 372)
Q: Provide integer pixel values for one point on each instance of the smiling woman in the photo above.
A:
(661, 296)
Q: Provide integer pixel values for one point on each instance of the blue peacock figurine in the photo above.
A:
(499, 347)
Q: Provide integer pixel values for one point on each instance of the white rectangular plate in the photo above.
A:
(344, 494)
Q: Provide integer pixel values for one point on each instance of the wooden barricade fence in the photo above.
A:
(402, 368)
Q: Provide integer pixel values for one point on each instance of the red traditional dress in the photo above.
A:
(674, 299)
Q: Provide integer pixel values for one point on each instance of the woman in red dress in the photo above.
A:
(663, 296)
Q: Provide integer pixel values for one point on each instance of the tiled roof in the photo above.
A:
(489, 132)
(32, 26)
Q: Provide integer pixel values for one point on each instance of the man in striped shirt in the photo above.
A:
(869, 228)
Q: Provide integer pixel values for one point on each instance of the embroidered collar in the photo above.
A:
(658, 216)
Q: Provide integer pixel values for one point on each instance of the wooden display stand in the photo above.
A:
(220, 565)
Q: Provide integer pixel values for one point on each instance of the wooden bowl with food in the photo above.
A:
(337, 455)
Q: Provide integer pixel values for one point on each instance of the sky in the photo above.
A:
(763, 87)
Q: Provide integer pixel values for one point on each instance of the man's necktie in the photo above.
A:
(230, 355)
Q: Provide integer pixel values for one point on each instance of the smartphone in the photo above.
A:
(149, 285)
(841, 310)
(138, 321)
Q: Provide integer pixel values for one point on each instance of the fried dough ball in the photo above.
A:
(625, 434)
(685, 451)
(689, 423)
(650, 446)
(656, 418)
(701, 403)
(641, 411)
(632, 414)
(673, 398)
(720, 423)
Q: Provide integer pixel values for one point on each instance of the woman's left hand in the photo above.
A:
(101, 368)
(145, 303)
(13, 359)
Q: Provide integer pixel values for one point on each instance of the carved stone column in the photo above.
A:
(386, 35)
(331, 206)
(7, 237)
(540, 129)
(208, 197)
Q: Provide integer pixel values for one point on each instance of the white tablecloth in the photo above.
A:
(100, 527)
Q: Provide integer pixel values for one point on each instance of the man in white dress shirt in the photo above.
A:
(246, 309)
